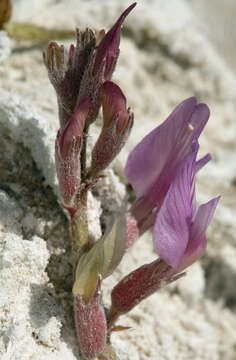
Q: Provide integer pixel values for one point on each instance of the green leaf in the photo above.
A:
(114, 246)
(102, 259)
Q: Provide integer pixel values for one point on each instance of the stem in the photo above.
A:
(79, 225)
(83, 154)
(79, 219)
(112, 317)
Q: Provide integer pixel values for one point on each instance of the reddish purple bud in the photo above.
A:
(137, 286)
(113, 104)
(118, 122)
(66, 71)
(101, 66)
(67, 151)
(74, 128)
(108, 49)
(91, 326)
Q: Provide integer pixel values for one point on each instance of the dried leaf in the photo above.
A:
(120, 328)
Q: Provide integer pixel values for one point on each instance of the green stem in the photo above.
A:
(79, 224)
(79, 220)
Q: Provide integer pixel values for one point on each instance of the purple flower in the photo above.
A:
(179, 237)
(179, 230)
(154, 162)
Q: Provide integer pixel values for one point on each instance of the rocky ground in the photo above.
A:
(166, 56)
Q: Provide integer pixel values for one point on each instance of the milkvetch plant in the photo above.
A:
(161, 170)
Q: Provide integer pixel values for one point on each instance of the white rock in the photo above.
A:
(10, 214)
(34, 130)
(192, 286)
(5, 47)
(49, 334)
(94, 212)
(111, 191)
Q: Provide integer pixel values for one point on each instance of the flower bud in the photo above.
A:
(91, 327)
(66, 71)
(137, 286)
(67, 152)
(117, 125)
(108, 50)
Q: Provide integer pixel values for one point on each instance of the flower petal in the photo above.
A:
(197, 240)
(203, 218)
(165, 147)
(202, 162)
(172, 225)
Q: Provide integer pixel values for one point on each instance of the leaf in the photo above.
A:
(114, 245)
(87, 272)
(120, 328)
(102, 259)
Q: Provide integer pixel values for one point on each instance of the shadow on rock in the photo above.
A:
(220, 282)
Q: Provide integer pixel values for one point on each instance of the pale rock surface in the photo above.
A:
(111, 191)
(94, 214)
(217, 21)
(4, 47)
(10, 214)
(165, 57)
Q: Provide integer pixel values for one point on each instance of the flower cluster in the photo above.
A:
(161, 170)
(82, 83)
